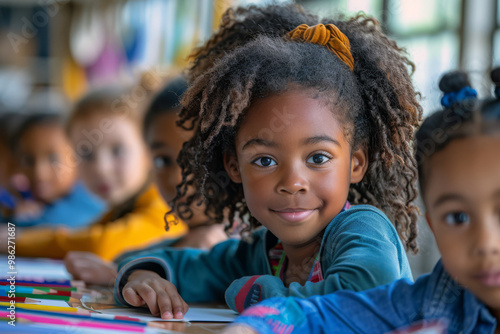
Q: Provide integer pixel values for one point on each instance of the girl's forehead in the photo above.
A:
(46, 139)
(289, 107)
(103, 124)
(468, 165)
(103, 132)
(43, 132)
(105, 116)
(164, 129)
(294, 111)
(49, 126)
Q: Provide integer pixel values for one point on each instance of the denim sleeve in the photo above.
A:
(377, 310)
(360, 252)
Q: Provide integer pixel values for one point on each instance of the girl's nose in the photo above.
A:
(487, 238)
(293, 180)
(103, 163)
(41, 170)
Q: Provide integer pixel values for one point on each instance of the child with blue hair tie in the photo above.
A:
(459, 163)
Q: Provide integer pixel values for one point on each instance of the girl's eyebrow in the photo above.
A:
(307, 141)
(259, 141)
(319, 139)
(448, 197)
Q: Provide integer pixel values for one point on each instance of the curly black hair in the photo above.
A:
(466, 117)
(378, 107)
(242, 24)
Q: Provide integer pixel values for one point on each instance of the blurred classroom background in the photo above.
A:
(52, 51)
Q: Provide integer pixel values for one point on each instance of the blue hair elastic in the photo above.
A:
(497, 92)
(463, 94)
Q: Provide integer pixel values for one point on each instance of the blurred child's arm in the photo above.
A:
(90, 268)
(361, 250)
(105, 239)
(199, 275)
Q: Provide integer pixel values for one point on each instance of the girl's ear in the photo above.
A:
(359, 164)
(232, 167)
(428, 219)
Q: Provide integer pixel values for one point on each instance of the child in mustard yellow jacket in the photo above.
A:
(165, 140)
(113, 162)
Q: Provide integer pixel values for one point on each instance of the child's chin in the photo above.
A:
(490, 300)
(45, 198)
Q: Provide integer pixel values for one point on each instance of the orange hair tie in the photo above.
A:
(327, 35)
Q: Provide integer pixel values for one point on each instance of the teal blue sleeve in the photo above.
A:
(199, 275)
(361, 250)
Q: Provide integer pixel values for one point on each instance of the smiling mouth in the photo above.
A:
(293, 215)
(103, 188)
(489, 278)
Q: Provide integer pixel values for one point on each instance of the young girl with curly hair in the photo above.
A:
(458, 162)
(307, 133)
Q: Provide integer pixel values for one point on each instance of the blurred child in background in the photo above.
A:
(113, 161)
(45, 156)
(165, 140)
(459, 164)
(16, 200)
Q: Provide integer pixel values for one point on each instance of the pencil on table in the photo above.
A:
(48, 308)
(55, 283)
(19, 300)
(25, 289)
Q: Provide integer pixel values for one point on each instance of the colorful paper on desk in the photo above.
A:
(35, 267)
(195, 314)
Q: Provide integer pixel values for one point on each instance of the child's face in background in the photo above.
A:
(295, 165)
(46, 158)
(117, 166)
(462, 196)
(165, 140)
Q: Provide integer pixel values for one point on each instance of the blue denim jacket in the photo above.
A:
(379, 310)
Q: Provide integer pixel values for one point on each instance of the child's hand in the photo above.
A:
(90, 268)
(27, 209)
(238, 329)
(146, 287)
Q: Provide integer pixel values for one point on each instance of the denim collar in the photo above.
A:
(478, 319)
(462, 310)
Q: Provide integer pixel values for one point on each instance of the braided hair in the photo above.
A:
(463, 116)
(376, 103)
